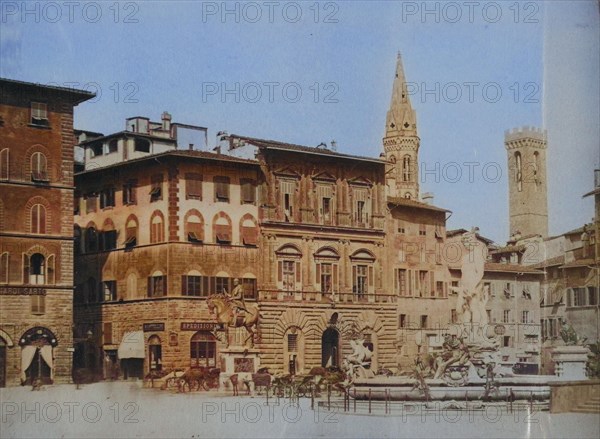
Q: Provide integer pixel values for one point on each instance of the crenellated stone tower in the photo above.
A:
(527, 187)
(401, 143)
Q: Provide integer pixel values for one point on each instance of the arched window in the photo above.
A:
(406, 168)
(407, 195)
(38, 219)
(108, 235)
(249, 231)
(393, 160)
(39, 167)
(157, 284)
(131, 230)
(362, 273)
(155, 353)
(157, 228)
(326, 262)
(4, 166)
(34, 269)
(222, 228)
(289, 268)
(518, 171)
(293, 351)
(536, 169)
(194, 226)
(203, 350)
(91, 238)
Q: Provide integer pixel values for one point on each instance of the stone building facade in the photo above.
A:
(155, 236)
(36, 231)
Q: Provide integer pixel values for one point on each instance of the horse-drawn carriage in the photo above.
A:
(193, 378)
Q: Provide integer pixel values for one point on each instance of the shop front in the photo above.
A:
(37, 356)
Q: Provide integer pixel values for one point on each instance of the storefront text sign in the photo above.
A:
(198, 326)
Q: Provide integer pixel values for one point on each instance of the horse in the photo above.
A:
(221, 307)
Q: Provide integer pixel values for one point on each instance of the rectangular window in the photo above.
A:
(38, 304)
(221, 189)
(76, 203)
(39, 113)
(326, 210)
(326, 277)
(287, 275)
(157, 286)
(360, 287)
(248, 191)
(250, 236)
(506, 342)
(424, 321)
(403, 321)
(453, 316)
(579, 297)
(525, 317)
(592, 296)
(401, 283)
(90, 203)
(361, 207)
(401, 227)
(129, 192)
(107, 197)
(508, 290)
(439, 288)
(156, 187)
(249, 285)
(110, 290)
(193, 186)
(192, 286)
(4, 272)
(487, 286)
(423, 283)
(287, 189)
(506, 316)
(223, 233)
(109, 240)
(222, 285)
(422, 230)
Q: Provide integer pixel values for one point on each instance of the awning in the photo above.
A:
(132, 345)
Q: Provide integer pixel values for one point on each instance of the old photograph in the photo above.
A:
(272, 219)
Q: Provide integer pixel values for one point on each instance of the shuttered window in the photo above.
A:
(193, 186)
(248, 191)
(221, 189)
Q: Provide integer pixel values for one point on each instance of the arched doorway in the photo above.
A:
(37, 360)
(330, 348)
(2, 362)
(203, 350)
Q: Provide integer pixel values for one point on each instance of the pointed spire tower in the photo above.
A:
(401, 143)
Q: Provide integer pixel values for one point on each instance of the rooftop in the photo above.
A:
(274, 144)
(191, 154)
(407, 202)
(77, 96)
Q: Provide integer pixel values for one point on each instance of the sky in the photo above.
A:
(308, 72)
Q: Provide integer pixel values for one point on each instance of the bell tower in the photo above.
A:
(527, 182)
(401, 143)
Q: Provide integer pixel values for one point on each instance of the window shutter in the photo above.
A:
(212, 285)
(318, 281)
(354, 278)
(25, 269)
(184, 289)
(51, 273)
(298, 273)
(42, 219)
(335, 278)
(279, 271)
(409, 285)
(150, 287)
(371, 277)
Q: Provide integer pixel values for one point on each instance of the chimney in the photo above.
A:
(427, 198)
(191, 147)
(166, 121)
(223, 141)
(333, 145)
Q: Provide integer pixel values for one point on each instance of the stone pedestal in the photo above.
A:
(569, 362)
(241, 361)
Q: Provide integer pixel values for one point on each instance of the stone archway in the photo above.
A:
(37, 356)
(330, 348)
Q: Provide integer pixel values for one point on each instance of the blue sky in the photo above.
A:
(148, 57)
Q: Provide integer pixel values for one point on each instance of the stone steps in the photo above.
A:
(592, 405)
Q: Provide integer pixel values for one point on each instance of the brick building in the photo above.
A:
(36, 231)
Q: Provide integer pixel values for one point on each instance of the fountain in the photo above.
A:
(468, 368)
